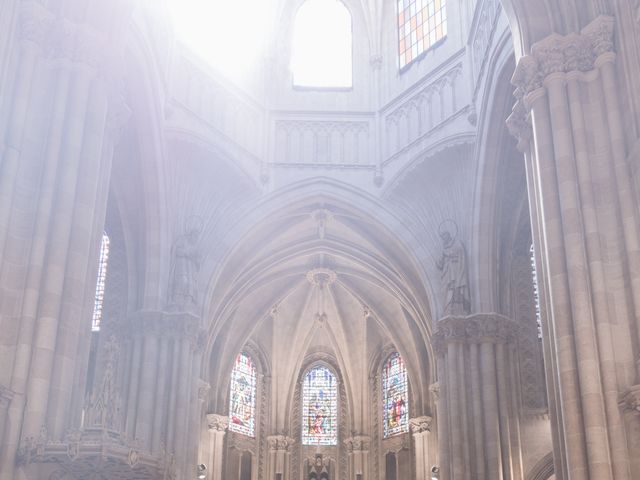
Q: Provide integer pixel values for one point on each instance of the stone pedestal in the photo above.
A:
(279, 461)
(217, 425)
(477, 409)
(358, 451)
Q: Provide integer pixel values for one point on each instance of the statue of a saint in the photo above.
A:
(183, 287)
(453, 271)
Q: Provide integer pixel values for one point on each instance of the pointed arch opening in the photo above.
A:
(322, 45)
(242, 396)
(395, 396)
(319, 407)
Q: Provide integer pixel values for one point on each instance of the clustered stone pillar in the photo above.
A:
(55, 163)
(586, 232)
(217, 425)
(358, 451)
(279, 457)
(479, 437)
(421, 430)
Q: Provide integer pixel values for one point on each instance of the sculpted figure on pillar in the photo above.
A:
(452, 264)
(183, 286)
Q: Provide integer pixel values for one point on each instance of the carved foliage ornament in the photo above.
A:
(279, 442)
(474, 329)
(552, 55)
(218, 423)
(358, 443)
(420, 424)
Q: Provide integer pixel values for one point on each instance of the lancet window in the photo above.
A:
(320, 407)
(421, 24)
(322, 45)
(242, 398)
(395, 396)
(103, 262)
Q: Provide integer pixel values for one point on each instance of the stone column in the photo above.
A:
(279, 457)
(421, 429)
(358, 451)
(587, 239)
(217, 425)
(55, 163)
(477, 423)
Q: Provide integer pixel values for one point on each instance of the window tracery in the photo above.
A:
(242, 398)
(421, 24)
(395, 393)
(320, 407)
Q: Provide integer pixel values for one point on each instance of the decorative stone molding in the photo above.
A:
(420, 424)
(556, 54)
(358, 443)
(478, 328)
(216, 422)
(280, 442)
(630, 401)
(80, 451)
(6, 395)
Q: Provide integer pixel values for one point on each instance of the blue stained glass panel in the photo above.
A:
(395, 395)
(242, 401)
(320, 407)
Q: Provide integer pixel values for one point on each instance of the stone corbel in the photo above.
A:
(358, 443)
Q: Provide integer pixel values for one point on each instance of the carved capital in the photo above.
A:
(478, 328)
(563, 54)
(280, 442)
(358, 443)
(217, 423)
(420, 424)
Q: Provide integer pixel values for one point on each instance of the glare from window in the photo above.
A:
(322, 45)
(229, 35)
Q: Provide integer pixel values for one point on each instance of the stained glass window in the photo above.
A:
(421, 24)
(320, 407)
(100, 283)
(242, 398)
(395, 393)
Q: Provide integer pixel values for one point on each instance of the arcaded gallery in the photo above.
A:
(320, 239)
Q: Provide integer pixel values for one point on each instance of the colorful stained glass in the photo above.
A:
(320, 407)
(395, 394)
(242, 400)
(100, 283)
(421, 24)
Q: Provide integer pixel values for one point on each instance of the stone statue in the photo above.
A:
(183, 288)
(453, 271)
